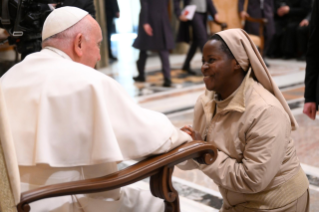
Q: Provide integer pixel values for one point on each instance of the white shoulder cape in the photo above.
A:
(66, 114)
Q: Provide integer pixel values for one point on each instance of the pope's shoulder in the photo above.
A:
(51, 66)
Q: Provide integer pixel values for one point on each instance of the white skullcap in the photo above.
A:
(61, 19)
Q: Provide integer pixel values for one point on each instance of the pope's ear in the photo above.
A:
(78, 45)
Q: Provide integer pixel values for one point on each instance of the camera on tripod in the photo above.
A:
(23, 20)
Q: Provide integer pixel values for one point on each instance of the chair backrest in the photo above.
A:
(159, 168)
(9, 170)
(228, 13)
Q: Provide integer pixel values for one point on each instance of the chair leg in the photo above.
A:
(162, 187)
(172, 206)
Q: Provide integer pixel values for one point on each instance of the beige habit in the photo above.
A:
(257, 168)
(69, 122)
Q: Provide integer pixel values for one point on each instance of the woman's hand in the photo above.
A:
(148, 29)
(194, 134)
(183, 18)
(243, 15)
(216, 18)
(283, 10)
(304, 22)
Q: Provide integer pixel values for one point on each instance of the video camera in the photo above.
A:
(23, 20)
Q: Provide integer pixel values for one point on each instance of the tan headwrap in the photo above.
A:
(246, 54)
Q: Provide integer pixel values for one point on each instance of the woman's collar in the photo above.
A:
(237, 102)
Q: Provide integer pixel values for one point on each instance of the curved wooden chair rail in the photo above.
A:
(159, 168)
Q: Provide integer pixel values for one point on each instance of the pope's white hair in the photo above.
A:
(66, 37)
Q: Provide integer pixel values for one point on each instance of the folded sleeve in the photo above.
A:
(178, 138)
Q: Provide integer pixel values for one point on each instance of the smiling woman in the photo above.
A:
(222, 73)
(257, 168)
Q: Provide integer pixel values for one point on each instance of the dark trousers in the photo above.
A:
(288, 42)
(109, 28)
(284, 41)
(164, 56)
(199, 37)
(302, 40)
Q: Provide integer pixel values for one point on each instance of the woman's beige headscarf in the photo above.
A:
(246, 54)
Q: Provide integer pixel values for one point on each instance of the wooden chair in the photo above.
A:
(228, 13)
(159, 168)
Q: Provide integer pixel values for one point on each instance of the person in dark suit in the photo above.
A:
(87, 5)
(288, 15)
(312, 68)
(198, 23)
(154, 33)
(259, 9)
(302, 34)
(111, 11)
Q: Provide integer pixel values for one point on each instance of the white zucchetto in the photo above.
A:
(61, 19)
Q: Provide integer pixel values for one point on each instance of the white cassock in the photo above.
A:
(69, 122)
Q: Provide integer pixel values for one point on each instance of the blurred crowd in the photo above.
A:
(282, 33)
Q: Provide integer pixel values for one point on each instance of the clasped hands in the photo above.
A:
(194, 134)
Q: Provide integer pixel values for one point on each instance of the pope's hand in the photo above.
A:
(148, 29)
(310, 110)
(194, 134)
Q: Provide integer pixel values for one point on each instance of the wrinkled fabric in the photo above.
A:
(9, 172)
(66, 114)
(257, 168)
(69, 122)
(256, 154)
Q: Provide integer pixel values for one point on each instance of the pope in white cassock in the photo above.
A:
(69, 122)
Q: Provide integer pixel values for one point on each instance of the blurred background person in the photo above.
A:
(111, 11)
(302, 34)
(312, 68)
(155, 34)
(198, 24)
(258, 9)
(288, 15)
(87, 5)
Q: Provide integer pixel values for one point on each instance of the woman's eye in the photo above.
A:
(211, 60)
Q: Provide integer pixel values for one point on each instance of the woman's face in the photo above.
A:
(217, 68)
